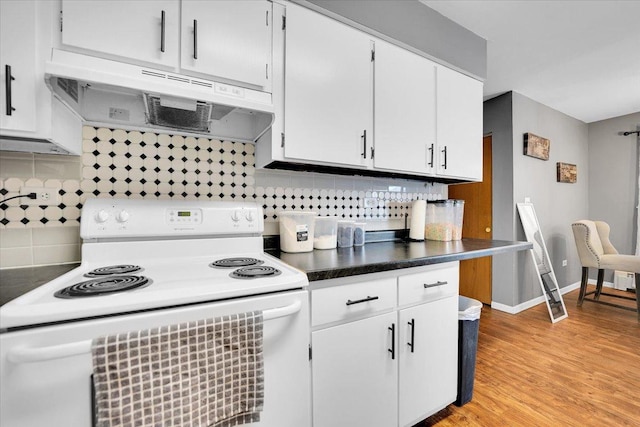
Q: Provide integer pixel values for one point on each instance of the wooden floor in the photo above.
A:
(581, 371)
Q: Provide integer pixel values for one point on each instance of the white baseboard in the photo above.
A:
(539, 300)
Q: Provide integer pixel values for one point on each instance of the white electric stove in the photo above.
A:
(147, 264)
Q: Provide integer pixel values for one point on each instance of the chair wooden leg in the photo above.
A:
(583, 285)
(599, 284)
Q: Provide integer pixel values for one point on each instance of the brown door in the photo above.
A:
(475, 274)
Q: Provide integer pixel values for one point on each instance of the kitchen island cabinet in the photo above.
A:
(384, 350)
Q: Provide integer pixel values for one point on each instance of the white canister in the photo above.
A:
(418, 213)
(296, 231)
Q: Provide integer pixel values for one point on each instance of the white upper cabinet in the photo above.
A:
(139, 30)
(30, 117)
(405, 110)
(228, 39)
(18, 62)
(328, 99)
(459, 125)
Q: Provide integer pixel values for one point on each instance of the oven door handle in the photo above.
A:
(42, 354)
(276, 313)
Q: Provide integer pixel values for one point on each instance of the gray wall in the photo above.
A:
(498, 121)
(613, 177)
(417, 26)
(557, 205)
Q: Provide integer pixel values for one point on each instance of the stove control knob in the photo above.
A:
(101, 216)
(235, 216)
(122, 216)
(250, 216)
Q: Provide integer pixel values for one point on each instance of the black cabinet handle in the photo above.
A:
(431, 156)
(392, 350)
(162, 31)
(444, 151)
(8, 78)
(358, 301)
(195, 39)
(413, 328)
(433, 285)
(364, 138)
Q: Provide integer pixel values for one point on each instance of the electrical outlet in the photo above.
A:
(564, 262)
(44, 196)
(370, 202)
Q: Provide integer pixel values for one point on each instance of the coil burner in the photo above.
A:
(235, 262)
(255, 272)
(113, 270)
(103, 286)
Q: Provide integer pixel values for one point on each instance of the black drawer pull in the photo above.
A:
(392, 350)
(358, 301)
(8, 78)
(434, 285)
(413, 329)
(195, 39)
(444, 151)
(162, 31)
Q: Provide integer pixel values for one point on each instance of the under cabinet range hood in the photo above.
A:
(107, 92)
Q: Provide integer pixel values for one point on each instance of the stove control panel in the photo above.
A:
(131, 218)
(184, 216)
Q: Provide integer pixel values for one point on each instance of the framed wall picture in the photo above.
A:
(536, 146)
(567, 173)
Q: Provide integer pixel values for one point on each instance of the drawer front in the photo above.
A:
(429, 285)
(345, 302)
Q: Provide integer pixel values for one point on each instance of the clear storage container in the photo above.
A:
(345, 234)
(326, 232)
(296, 231)
(458, 216)
(358, 233)
(440, 220)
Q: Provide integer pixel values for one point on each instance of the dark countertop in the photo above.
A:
(319, 264)
(384, 256)
(17, 281)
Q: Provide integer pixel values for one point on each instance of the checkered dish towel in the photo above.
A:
(203, 373)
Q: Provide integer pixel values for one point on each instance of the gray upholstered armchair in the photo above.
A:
(596, 251)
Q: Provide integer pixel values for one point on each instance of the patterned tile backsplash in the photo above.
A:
(129, 164)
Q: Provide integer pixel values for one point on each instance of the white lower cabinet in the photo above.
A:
(354, 374)
(384, 349)
(427, 358)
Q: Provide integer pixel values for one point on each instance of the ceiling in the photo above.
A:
(578, 57)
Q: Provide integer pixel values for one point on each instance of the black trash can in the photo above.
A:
(468, 324)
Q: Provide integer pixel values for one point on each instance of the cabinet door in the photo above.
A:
(405, 110)
(18, 62)
(132, 29)
(428, 374)
(459, 125)
(228, 39)
(328, 96)
(354, 375)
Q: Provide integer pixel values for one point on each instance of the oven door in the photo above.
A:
(45, 376)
